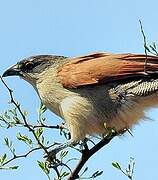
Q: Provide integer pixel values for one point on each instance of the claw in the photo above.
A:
(52, 154)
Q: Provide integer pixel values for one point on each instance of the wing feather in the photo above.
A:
(104, 67)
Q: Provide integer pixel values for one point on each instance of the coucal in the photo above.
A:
(95, 92)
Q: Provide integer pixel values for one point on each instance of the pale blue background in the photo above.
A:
(71, 28)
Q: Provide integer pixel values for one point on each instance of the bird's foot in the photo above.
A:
(51, 155)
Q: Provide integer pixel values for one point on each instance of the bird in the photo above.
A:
(95, 92)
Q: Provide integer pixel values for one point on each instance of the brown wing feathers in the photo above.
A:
(104, 67)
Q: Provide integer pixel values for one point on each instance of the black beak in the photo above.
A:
(12, 71)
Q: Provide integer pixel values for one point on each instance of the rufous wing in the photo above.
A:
(104, 67)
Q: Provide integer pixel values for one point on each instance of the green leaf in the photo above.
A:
(39, 132)
(25, 113)
(63, 154)
(84, 171)
(116, 165)
(17, 120)
(6, 115)
(96, 174)
(42, 108)
(24, 138)
(44, 167)
(42, 139)
(7, 143)
(41, 164)
(9, 168)
(13, 167)
(64, 174)
(3, 158)
(154, 45)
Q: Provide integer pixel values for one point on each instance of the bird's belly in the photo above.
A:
(85, 118)
(82, 117)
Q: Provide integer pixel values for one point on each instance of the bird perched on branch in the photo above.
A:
(95, 92)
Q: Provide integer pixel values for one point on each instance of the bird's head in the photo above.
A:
(31, 69)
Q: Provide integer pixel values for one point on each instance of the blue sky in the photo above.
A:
(74, 28)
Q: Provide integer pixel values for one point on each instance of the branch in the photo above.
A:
(87, 153)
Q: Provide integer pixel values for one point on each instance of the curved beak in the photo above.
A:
(12, 71)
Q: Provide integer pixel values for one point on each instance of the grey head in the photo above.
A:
(34, 64)
(31, 68)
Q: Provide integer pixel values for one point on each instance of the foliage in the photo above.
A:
(129, 171)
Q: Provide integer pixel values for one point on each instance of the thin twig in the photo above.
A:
(30, 128)
(145, 44)
(20, 156)
(23, 116)
(48, 126)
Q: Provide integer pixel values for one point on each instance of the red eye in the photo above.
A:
(28, 65)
